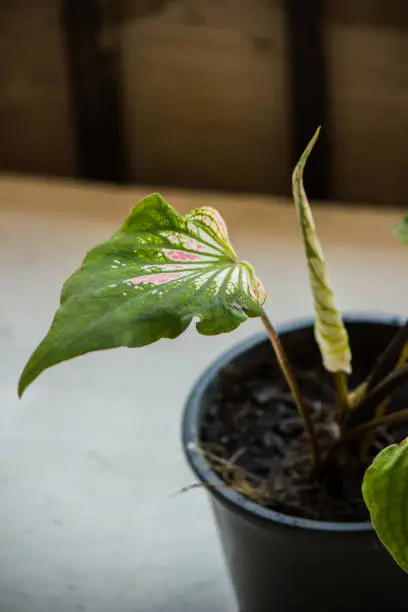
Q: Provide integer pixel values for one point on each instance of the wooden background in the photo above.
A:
(205, 94)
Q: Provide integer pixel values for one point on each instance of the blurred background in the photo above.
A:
(212, 94)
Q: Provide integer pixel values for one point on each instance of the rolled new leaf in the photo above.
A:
(149, 281)
(330, 332)
(385, 490)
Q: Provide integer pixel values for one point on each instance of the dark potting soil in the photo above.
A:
(254, 439)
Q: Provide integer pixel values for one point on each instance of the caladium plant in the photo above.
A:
(161, 271)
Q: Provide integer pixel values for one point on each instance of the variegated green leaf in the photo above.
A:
(148, 281)
(385, 490)
(330, 332)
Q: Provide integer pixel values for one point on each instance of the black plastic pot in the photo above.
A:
(279, 563)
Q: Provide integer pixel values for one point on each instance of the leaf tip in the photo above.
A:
(313, 140)
(20, 389)
(27, 376)
(22, 384)
(298, 171)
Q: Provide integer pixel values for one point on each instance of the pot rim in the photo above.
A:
(206, 474)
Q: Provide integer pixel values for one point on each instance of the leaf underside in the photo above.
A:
(330, 332)
(148, 281)
(385, 490)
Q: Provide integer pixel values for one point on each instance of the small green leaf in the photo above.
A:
(385, 490)
(401, 230)
(148, 281)
(330, 332)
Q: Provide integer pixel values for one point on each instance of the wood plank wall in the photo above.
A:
(35, 119)
(205, 94)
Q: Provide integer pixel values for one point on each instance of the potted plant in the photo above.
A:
(281, 438)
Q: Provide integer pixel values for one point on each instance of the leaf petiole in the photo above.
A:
(340, 381)
(294, 388)
(394, 417)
